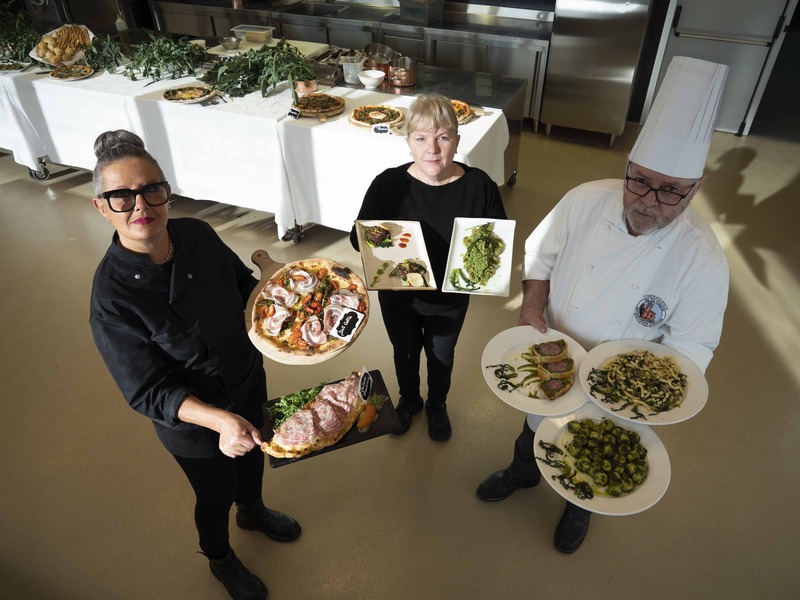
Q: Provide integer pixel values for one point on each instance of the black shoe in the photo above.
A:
(405, 410)
(572, 529)
(278, 526)
(240, 583)
(500, 485)
(439, 429)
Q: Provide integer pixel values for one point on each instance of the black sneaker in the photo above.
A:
(439, 428)
(405, 410)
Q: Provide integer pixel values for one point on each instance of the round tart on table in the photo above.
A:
(70, 73)
(13, 67)
(376, 114)
(295, 316)
(321, 106)
(463, 111)
(188, 94)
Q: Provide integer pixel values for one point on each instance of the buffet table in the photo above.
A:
(245, 151)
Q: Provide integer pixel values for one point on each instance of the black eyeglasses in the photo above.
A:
(639, 187)
(124, 200)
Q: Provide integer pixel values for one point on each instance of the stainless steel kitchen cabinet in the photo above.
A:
(593, 54)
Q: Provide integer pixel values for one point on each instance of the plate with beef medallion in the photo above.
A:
(512, 373)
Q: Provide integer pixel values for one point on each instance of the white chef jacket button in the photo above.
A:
(189, 276)
(137, 276)
(616, 323)
(607, 226)
(634, 286)
(590, 267)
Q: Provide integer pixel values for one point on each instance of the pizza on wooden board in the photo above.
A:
(463, 111)
(319, 104)
(297, 311)
(320, 423)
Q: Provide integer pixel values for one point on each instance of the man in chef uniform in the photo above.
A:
(628, 259)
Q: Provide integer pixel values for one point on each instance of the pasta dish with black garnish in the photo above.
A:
(639, 379)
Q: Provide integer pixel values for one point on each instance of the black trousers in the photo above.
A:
(523, 467)
(218, 482)
(437, 334)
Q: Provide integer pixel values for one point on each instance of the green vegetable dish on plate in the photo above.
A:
(599, 458)
(481, 259)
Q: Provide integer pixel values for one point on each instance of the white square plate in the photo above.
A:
(407, 243)
(499, 283)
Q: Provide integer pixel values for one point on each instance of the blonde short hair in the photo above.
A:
(430, 112)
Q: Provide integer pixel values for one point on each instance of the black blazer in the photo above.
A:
(168, 331)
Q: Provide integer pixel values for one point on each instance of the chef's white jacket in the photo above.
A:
(602, 279)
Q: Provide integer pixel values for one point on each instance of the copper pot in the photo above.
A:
(379, 56)
(402, 72)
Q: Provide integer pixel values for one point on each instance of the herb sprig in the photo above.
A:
(261, 70)
(164, 58)
(287, 405)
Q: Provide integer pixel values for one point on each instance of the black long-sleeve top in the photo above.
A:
(166, 332)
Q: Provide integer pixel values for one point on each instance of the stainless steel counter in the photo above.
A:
(534, 23)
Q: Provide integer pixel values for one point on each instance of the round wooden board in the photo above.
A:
(322, 116)
(268, 269)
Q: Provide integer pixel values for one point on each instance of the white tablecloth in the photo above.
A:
(244, 152)
(330, 165)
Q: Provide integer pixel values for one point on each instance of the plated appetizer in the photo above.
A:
(639, 380)
(394, 255)
(598, 458)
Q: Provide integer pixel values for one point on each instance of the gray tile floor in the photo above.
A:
(92, 507)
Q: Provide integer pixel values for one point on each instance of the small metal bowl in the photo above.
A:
(229, 43)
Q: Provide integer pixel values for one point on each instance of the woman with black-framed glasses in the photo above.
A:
(167, 315)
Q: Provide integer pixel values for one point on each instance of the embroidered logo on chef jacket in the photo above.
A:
(651, 311)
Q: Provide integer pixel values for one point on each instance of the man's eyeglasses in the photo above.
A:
(639, 187)
(124, 200)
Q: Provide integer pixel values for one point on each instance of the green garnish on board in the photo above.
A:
(285, 406)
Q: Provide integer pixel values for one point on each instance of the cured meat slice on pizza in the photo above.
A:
(309, 311)
(320, 423)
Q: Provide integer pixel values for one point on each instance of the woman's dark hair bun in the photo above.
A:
(113, 139)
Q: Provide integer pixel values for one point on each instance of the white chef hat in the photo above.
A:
(677, 133)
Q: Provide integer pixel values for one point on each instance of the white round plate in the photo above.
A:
(554, 431)
(696, 388)
(79, 55)
(507, 347)
(210, 93)
(70, 73)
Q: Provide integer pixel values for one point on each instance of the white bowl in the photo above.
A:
(371, 79)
